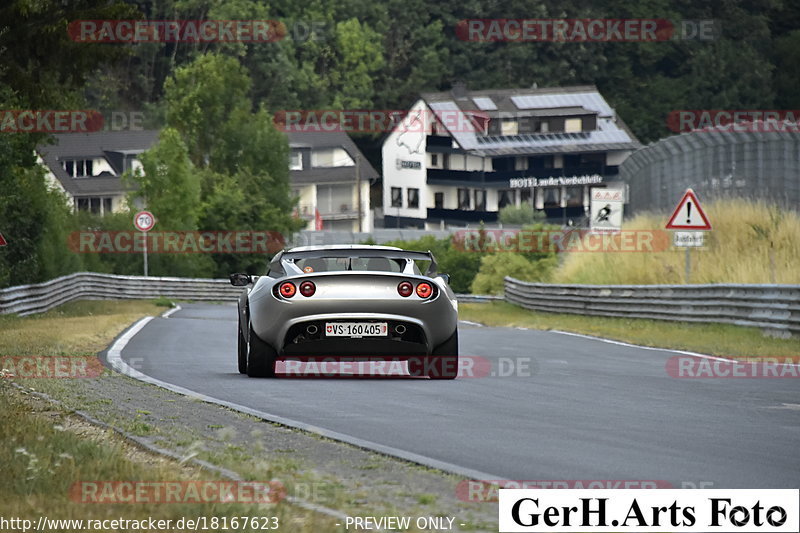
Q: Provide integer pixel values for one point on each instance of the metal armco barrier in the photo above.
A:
(770, 307)
(40, 297)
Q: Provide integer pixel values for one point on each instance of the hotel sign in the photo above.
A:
(555, 181)
(401, 164)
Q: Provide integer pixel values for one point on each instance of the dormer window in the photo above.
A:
(78, 168)
(509, 127)
(296, 160)
(573, 125)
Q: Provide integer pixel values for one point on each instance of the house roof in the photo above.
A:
(113, 146)
(611, 132)
(102, 144)
(322, 140)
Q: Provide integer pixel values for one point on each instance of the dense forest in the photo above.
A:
(214, 101)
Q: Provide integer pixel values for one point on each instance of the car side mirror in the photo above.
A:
(445, 277)
(241, 280)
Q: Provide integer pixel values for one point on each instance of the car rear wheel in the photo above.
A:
(441, 364)
(241, 351)
(261, 357)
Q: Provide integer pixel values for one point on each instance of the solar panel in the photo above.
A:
(484, 103)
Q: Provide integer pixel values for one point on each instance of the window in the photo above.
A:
(543, 127)
(413, 198)
(543, 161)
(331, 157)
(572, 125)
(445, 160)
(296, 161)
(552, 197)
(463, 199)
(78, 168)
(572, 160)
(334, 198)
(506, 197)
(434, 160)
(509, 127)
(573, 196)
(438, 200)
(94, 204)
(480, 200)
(397, 197)
(503, 163)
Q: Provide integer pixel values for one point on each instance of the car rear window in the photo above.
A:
(334, 264)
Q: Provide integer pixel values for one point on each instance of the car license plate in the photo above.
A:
(356, 329)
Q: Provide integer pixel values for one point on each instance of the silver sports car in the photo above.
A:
(367, 302)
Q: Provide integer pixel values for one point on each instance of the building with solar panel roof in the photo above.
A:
(460, 156)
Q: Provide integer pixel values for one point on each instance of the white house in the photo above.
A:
(460, 156)
(327, 170)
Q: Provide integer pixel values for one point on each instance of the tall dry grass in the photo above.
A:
(752, 242)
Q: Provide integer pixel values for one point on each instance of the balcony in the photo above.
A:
(327, 211)
(499, 178)
(439, 141)
(458, 216)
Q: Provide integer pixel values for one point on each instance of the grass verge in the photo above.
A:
(715, 339)
(44, 451)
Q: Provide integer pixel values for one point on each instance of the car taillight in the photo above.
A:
(308, 288)
(287, 289)
(405, 289)
(424, 290)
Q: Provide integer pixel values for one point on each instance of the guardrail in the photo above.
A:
(40, 297)
(771, 307)
(37, 298)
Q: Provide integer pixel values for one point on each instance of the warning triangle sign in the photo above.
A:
(2, 240)
(689, 214)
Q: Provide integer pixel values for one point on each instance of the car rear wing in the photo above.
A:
(285, 260)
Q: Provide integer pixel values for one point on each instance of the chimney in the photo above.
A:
(459, 90)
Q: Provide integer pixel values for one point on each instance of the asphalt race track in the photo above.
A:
(584, 409)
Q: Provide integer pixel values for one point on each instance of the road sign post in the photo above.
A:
(688, 215)
(144, 222)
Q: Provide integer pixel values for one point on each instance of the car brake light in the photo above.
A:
(405, 289)
(287, 289)
(424, 290)
(307, 288)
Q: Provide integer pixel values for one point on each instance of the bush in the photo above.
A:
(518, 216)
(494, 268)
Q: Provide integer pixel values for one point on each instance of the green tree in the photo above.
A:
(361, 58)
(241, 158)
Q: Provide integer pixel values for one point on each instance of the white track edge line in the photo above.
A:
(682, 352)
(114, 358)
(169, 312)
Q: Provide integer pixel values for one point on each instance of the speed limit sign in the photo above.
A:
(144, 221)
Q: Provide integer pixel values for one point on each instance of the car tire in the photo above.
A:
(261, 357)
(241, 350)
(441, 364)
